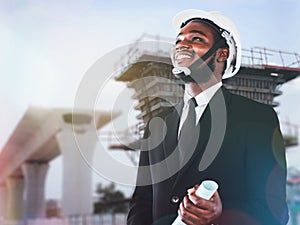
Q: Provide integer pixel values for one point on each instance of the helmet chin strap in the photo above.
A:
(185, 73)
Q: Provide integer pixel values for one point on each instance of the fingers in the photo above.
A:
(193, 189)
(196, 210)
(190, 214)
(201, 201)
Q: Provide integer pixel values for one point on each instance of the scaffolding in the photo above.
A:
(262, 73)
(259, 56)
(146, 68)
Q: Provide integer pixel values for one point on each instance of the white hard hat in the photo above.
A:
(229, 32)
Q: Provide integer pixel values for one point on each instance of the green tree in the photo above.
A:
(110, 200)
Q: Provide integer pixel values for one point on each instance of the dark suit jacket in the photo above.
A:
(240, 147)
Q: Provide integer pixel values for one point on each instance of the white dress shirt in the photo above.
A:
(202, 100)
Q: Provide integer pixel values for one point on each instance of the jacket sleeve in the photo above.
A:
(265, 174)
(140, 208)
(140, 211)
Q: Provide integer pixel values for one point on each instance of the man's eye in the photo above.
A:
(197, 39)
(177, 41)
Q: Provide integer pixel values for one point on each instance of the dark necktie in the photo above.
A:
(189, 134)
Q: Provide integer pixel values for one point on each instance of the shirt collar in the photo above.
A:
(205, 96)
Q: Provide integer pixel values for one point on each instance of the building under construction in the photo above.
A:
(147, 69)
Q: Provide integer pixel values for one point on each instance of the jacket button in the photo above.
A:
(175, 199)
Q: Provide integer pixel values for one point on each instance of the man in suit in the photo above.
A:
(231, 140)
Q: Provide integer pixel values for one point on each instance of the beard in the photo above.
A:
(203, 74)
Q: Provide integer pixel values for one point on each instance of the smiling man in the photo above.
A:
(213, 135)
(193, 41)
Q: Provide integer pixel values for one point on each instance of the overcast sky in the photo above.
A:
(47, 47)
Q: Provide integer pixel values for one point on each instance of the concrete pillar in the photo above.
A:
(15, 206)
(77, 175)
(3, 201)
(34, 194)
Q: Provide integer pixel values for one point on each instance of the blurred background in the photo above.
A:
(57, 56)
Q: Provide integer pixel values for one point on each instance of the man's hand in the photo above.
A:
(194, 210)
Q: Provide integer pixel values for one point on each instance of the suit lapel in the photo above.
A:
(219, 107)
(170, 142)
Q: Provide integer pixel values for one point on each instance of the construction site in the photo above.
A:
(45, 133)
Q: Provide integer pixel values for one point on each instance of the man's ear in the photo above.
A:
(223, 54)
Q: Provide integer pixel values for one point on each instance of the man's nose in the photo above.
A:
(184, 44)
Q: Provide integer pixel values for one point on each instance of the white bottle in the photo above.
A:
(206, 190)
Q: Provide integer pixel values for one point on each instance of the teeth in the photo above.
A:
(181, 56)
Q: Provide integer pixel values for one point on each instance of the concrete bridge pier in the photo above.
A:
(34, 192)
(3, 201)
(77, 193)
(15, 206)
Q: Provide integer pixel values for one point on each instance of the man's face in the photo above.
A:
(192, 42)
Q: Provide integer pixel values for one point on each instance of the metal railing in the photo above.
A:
(257, 56)
(161, 46)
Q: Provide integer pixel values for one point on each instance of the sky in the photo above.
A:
(48, 46)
